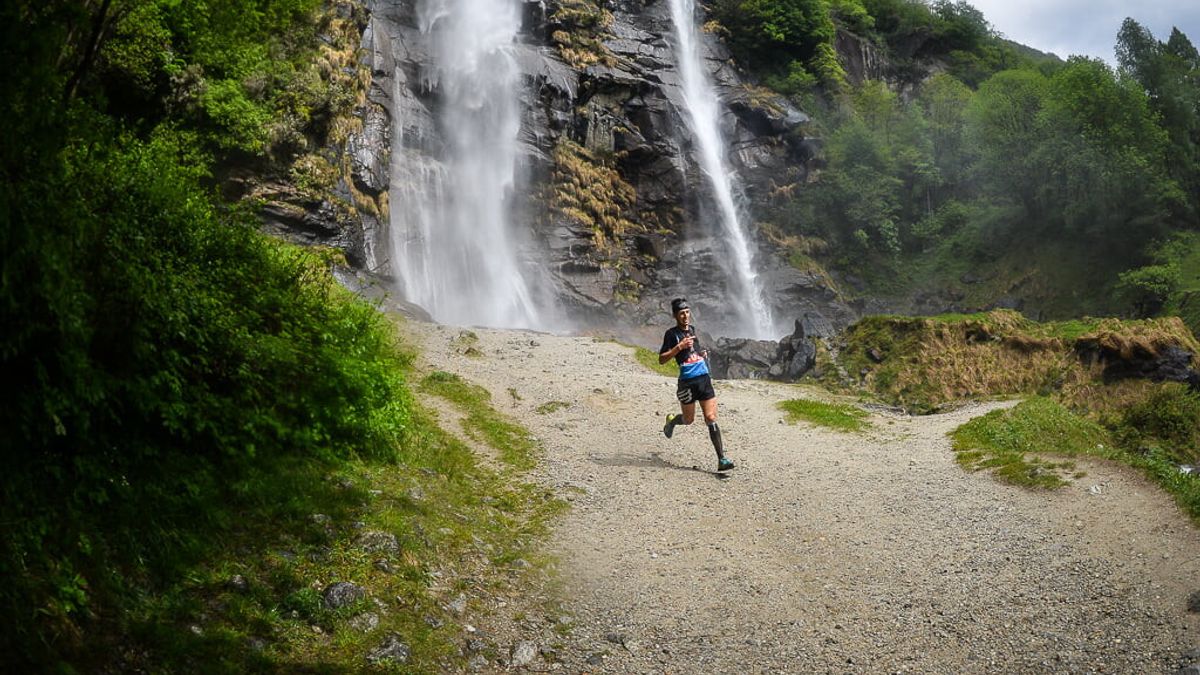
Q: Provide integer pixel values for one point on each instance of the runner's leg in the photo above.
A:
(709, 407)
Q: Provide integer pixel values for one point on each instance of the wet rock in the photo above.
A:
(238, 583)
(632, 109)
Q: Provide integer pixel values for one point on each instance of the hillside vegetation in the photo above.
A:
(1007, 176)
(1097, 387)
(195, 414)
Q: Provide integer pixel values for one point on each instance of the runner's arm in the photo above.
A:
(667, 353)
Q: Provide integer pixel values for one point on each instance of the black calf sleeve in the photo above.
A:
(714, 434)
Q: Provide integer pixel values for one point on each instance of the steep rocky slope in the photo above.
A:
(609, 185)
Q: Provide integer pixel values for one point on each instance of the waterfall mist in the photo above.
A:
(454, 250)
(753, 314)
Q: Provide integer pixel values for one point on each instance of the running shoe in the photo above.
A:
(669, 427)
(724, 464)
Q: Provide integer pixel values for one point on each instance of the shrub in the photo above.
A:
(1167, 421)
(1146, 289)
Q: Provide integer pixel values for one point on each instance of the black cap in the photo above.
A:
(678, 304)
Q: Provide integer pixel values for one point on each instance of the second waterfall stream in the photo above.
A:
(703, 114)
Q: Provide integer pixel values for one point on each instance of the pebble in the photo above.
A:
(391, 650)
(365, 622)
(523, 653)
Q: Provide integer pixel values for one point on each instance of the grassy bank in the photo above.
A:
(1033, 443)
(425, 537)
(922, 363)
(1076, 373)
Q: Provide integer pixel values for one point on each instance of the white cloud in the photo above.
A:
(1088, 27)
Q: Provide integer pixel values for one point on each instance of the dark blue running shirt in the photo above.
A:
(691, 363)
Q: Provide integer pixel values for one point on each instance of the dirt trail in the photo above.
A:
(825, 552)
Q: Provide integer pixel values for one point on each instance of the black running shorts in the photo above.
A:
(695, 389)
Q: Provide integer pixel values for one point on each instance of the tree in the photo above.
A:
(1170, 76)
(773, 33)
(1147, 289)
(1002, 123)
(944, 100)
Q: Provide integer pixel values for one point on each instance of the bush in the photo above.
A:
(1167, 421)
(1146, 289)
(184, 351)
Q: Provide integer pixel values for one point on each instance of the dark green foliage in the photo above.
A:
(1170, 74)
(1148, 288)
(784, 39)
(1074, 156)
(768, 30)
(1079, 151)
(1166, 422)
(157, 351)
(913, 31)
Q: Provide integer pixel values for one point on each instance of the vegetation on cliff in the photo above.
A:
(578, 29)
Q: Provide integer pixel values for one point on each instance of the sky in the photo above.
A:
(1088, 27)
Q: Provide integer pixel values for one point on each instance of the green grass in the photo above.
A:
(517, 447)
(458, 527)
(1013, 442)
(649, 359)
(840, 416)
(551, 407)
(1009, 442)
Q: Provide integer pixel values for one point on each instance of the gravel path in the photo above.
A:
(824, 552)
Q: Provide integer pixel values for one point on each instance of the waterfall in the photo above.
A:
(702, 116)
(454, 249)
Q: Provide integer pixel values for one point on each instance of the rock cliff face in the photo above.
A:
(609, 185)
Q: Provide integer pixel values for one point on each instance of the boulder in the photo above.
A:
(342, 594)
(788, 359)
(1169, 364)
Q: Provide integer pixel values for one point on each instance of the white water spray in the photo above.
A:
(703, 115)
(453, 247)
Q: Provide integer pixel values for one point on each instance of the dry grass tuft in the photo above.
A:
(923, 363)
(582, 26)
(587, 191)
(1140, 339)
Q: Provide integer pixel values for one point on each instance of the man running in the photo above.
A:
(680, 343)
